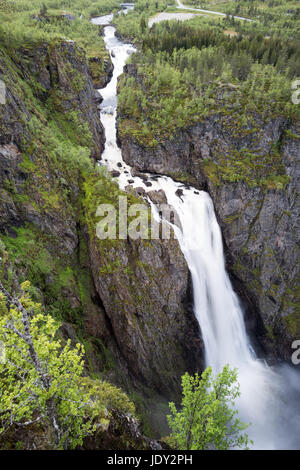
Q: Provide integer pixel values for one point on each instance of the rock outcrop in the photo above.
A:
(144, 288)
(122, 433)
(62, 71)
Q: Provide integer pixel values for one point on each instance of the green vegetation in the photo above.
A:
(38, 21)
(133, 25)
(56, 148)
(49, 390)
(102, 189)
(46, 387)
(273, 17)
(187, 73)
(190, 85)
(86, 8)
(207, 420)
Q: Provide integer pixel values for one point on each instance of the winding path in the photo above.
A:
(182, 7)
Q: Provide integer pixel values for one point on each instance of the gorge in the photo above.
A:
(268, 394)
(191, 121)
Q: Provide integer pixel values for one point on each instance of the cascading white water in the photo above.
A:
(217, 308)
(269, 397)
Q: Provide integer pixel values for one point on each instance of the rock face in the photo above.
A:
(144, 288)
(122, 434)
(260, 221)
(64, 76)
(10, 159)
(59, 75)
(39, 198)
(100, 80)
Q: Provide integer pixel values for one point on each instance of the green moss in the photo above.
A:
(292, 321)
(232, 218)
(27, 248)
(256, 169)
(101, 189)
(270, 333)
(110, 397)
(211, 171)
(291, 135)
(151, 411)
(61, 185)
(184, 177)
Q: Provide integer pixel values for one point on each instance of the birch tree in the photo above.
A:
(207, 419)
(40, 378)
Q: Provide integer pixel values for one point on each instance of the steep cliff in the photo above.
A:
(49, 128)
(144, 287)
(251, 171)
(128, 302)
(63, 78)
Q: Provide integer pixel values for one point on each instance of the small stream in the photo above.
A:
(269, 396)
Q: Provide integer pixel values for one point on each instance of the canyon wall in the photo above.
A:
(252, 175)
(130, 303)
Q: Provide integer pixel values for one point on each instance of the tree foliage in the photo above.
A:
(168, 36)
(206, 419)
(41, 378)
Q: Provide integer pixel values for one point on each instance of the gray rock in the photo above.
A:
(179, 193)
(261, 227)
(158, 197)
(146, 302)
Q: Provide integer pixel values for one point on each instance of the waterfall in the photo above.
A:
(263, 399)
(269, 396)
